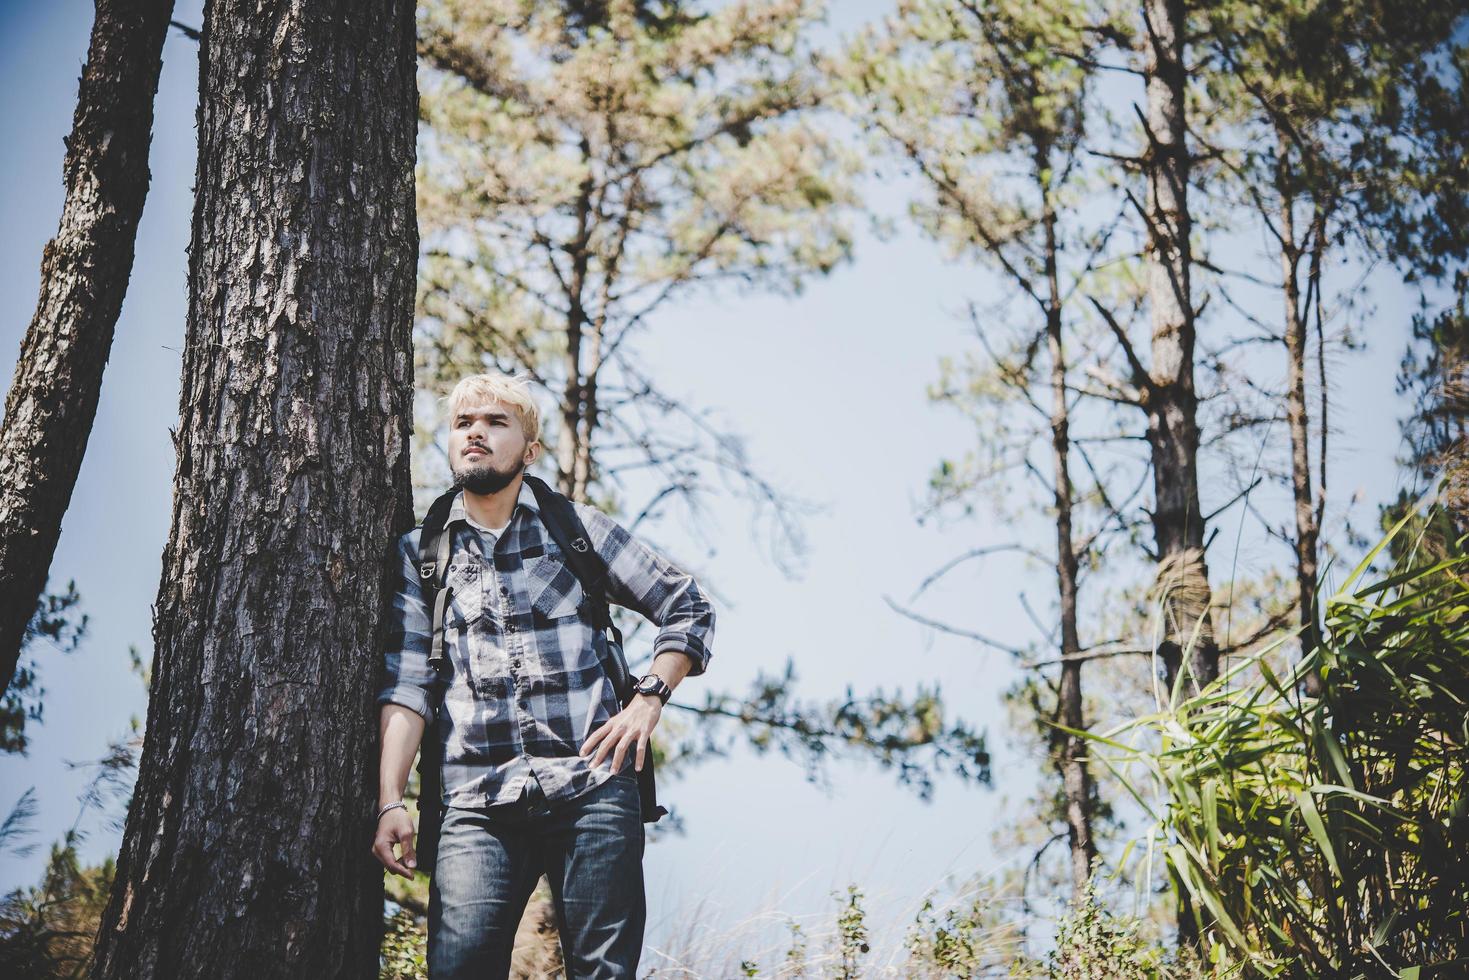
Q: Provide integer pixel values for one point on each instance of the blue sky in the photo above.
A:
(829, 391)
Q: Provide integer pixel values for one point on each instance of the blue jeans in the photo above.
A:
(490, 858)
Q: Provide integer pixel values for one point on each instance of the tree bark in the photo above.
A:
(246, 849)
(84, 276)
(1182, 584)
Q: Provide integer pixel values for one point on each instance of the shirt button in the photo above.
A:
(510, 627)
(504, 590)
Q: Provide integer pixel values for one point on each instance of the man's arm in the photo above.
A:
(672, 666)
(401, 731)
(404, 695)
(407, 678)
(644, 581)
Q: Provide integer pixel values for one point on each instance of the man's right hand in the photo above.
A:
(395, 827)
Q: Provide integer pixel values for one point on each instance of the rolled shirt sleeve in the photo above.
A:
(644, 581)
(407, 679)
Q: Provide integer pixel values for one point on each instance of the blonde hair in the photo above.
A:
(511, 390)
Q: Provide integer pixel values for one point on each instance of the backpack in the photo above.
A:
(435, 541)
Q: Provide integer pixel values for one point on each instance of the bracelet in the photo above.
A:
(391, 806)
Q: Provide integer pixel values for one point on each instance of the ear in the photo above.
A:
(532, 452)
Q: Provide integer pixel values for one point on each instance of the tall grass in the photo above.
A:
(1327, 836)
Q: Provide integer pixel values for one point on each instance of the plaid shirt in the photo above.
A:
(526, 686)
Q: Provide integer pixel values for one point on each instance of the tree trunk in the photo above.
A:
(574, 441)
(1182, 584)
(1298, 420)
(246, 849)
(1076, 781)
(568, 438)
(84, 276)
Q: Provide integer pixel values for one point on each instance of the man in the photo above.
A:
(538, 755)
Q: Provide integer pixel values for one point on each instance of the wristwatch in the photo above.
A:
(653, 684)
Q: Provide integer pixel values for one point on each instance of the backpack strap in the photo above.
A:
(560, 518)
(435, 543)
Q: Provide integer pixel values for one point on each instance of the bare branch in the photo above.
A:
(1087, 655)
(1140, 377)
(949, 565)
(955, 630)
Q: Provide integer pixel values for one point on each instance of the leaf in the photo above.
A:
(1091, 736)
(1384, 928)
(1187, 870)
(1211, 820)
(1329, 747)
(1362, 565)
(1312, 816)
(1323, 789)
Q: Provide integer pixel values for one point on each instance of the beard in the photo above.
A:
(482, 478)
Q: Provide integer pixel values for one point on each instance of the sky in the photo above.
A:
(828, 391)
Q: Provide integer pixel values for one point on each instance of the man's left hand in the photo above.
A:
(632, 726)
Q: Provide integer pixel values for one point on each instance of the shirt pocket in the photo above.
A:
(555, 592)
(467, 600)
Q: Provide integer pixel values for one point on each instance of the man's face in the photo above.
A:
(487, 447)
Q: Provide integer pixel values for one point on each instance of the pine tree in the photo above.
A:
(246, 847)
